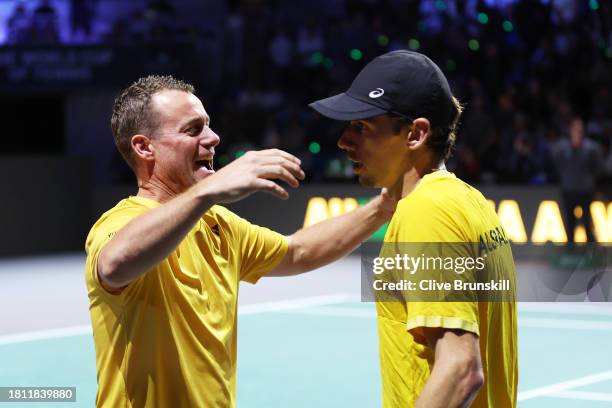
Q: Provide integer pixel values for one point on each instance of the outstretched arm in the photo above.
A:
(148, 239)
(322, 243)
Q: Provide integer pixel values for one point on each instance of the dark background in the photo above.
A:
(524, 69)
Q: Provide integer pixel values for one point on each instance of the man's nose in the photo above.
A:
(345, 142)
(210, 138)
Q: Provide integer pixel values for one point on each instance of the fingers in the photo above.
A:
(293, 168)
(280, 153)
(278, 172)
(270, 187)
(261, 168)
(278, 158)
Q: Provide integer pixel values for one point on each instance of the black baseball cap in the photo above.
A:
(404, 83)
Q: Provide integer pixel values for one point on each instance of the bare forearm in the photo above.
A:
(449, 389)
(329, 240)
(457, 373)
(150, 238)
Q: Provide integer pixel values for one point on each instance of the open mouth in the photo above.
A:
(206, 163)
(356, 165)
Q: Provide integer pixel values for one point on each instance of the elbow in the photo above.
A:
(301, 259)
(109, 271)
(300, 255)
(471, 378)
(473, 383)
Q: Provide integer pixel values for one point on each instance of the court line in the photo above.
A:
(263, 307)
(532, 322)
(307, 305)
(44, 334)
(583, 395)
(565, 385)
(565, 308)
(299, 303)
(564, 324)
(334, 312)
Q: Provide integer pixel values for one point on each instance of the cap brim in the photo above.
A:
(345, 107)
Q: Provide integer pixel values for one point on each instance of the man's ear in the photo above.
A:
(143, 147)
(419, 133)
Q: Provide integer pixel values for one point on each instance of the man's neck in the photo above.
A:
(155, 190)
(412, 177)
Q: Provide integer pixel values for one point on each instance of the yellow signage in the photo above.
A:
(548, 225)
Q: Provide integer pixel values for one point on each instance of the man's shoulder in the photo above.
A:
(560, 146)
(439, 190)
(444, 208)
(129, 205)
(123, 211)
(591, 145)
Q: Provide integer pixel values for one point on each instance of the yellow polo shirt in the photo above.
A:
(169, 338)
(443, 208)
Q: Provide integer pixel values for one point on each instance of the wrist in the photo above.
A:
(375, 211)
(381, 208)
(203, 194)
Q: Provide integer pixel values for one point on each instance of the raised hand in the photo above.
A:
(254, 171)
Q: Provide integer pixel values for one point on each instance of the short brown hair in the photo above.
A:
(132, 113)
(442, 139)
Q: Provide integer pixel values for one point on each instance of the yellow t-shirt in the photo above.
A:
(169, 338)
(443, 208)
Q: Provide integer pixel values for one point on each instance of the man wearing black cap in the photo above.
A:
(402, 121)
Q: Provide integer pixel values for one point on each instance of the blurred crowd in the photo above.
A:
(38, 26)
(40, 22)
(526, 70)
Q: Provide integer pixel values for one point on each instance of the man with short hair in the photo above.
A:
(403, 118)
(163, 266)
(578, 161)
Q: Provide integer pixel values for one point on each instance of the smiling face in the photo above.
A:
(184, 144)
(379, 156)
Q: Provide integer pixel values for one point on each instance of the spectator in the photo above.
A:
(578, 161)
(18, 25)
(310, 40)
(532, 59)
(281, 49)
(81, 18)
(522, 164)
(45, 29)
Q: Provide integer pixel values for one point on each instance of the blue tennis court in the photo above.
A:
(303, 342)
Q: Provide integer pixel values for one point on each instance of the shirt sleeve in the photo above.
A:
(425, 219)
(261, 249)
(101, 233)
(446, 315)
